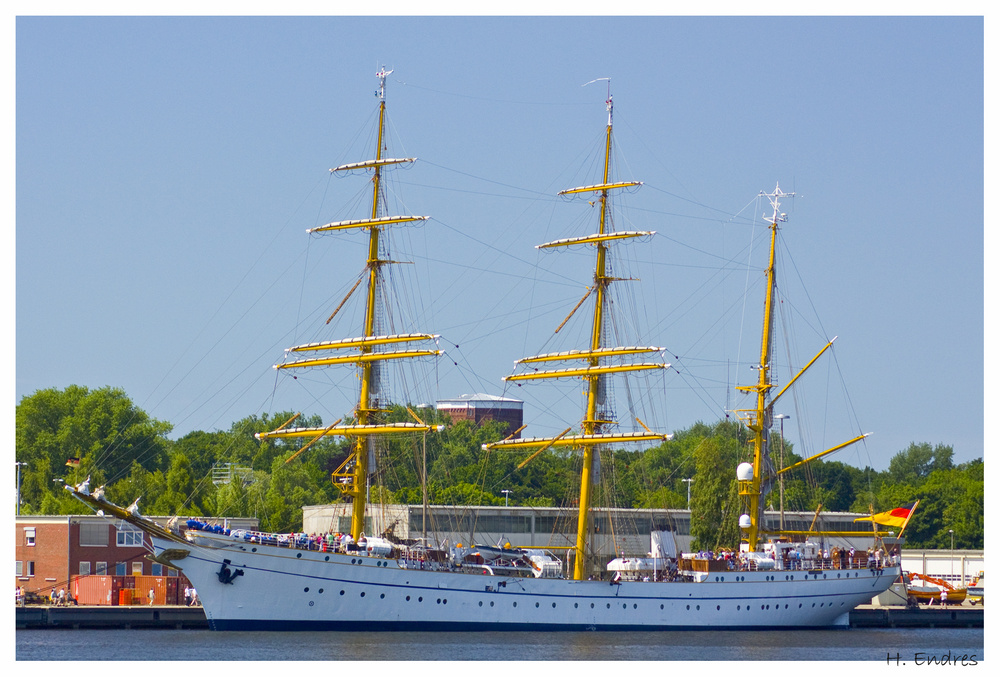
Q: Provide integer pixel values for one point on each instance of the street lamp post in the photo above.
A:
(19, 464)
(781, 464)
(506, 496)
(952, 532)
(689, 481)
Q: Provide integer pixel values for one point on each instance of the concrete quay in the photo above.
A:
(111, 617)
(193, 618)
(958, 616)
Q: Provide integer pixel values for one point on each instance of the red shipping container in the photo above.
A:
(117, 583)
(145, 584)
(173, 596)
(92, 590)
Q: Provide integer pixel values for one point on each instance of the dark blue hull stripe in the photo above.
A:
(437, 626)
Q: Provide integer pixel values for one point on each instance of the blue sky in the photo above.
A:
(167, 168)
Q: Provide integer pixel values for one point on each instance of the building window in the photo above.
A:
(137, 568)
(120, 568)
(102, 568)
(84, 568)
(19, 569)
(94, 534)
(31, 569)
(129, 536)
(29, 535)
(157, 569)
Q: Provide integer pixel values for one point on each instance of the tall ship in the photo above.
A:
(261, 581)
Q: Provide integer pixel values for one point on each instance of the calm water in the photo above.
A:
(912, 645)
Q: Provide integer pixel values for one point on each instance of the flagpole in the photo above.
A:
(912, 510)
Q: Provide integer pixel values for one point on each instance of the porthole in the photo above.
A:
(688, 607)
(661, 607)
(321, 591)
(515, 603)
(341, 592)
(609, 605)
(697, 607)
(719, 608)
(327, 558)
(305, 589)
(352, 560)
(298, 554)
(624, 606)
(362, 594)
(439, 600)
(491, 603)
(407, 597)
(382, 596)
(253, 549)
(591, 605)
(737, 607)
(635, 606)
(536, 605)
(576, 605)
(311, 602)
(553, 605)
(480, 604)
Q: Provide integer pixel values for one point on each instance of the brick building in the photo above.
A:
(480, 407)
(50, 550)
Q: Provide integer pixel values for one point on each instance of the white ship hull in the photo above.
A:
(288, 589)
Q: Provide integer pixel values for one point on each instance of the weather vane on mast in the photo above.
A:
(608, 102)
(777, 216)
(381, 75)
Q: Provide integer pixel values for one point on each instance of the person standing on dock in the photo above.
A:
(152, 596)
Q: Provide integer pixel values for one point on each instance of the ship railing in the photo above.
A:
(826, 563)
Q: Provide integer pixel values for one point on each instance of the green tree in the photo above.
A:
(714, 503)
(102, 428)
(918, 461)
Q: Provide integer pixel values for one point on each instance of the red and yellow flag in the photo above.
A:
(894, 518)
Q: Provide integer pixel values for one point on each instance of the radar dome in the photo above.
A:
(744, 472)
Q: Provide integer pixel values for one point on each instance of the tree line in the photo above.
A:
(65, 436)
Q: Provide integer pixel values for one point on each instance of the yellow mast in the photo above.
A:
(352, 477)
(593, 372)
(759, 419)
(361, 444)
(590, 424)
